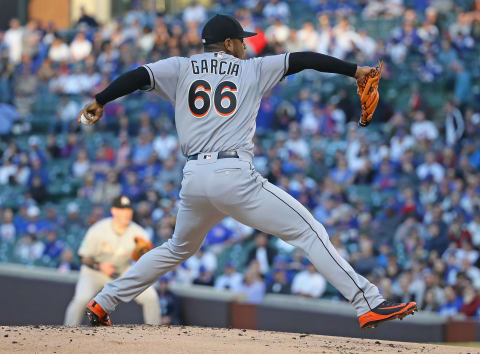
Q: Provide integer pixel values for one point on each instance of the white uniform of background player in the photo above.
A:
(106, 253)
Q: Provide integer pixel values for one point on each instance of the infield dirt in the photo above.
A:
(180, 339)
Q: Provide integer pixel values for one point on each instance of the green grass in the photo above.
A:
(462, 344)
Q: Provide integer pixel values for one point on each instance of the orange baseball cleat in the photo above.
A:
(386, 311)
(96, 315)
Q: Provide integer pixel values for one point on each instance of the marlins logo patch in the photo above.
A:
(125, 201)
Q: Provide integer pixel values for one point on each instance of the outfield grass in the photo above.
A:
(463, 344)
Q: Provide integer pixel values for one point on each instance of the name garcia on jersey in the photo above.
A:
(214, 66)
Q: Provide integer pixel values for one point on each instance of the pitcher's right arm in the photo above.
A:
(161, 77)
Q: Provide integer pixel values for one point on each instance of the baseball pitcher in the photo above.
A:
(106, 252)
(217, 95)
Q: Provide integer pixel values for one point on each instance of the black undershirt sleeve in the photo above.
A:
(299, 61)
(124, 84)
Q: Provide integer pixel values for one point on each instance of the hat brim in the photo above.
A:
(246, 34)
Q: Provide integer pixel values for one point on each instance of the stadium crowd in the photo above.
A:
(400, 199)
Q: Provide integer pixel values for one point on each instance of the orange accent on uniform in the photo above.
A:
(372, 316)
(97, 310)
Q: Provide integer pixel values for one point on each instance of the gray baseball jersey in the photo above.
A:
(207, 90)
(216, 98)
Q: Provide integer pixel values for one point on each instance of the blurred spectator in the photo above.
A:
(203, 265)
(53, 220)
(436, 241)
(454, 124)
(295, 143)
(452, 304)
(86, 18)
(8, 114)
(66, 261)
(262, 253)
(277, 32)
(164, 144)
(52, 147)
(38, 189)
(471, 302)
(81, 164)
(431, 168)
(14, 40)
(253, 286)
(74, 220)
(59, 50)
(71, 147)
(169, 303)
(276, 9)
(7, 171)
(195, 12)
(385, 179)
(364, 262)
(307, 36)
(474, 229)
(383, 8)
(422, 128)
(29, 249)
(447, 55)
(143, 149)
(462, 89)
(309, 283)
(279, 284)
(7, 228)
(400, 143)
(80, 47)
(53, 246)
(229, 280)
(106, 191)
(341, 174)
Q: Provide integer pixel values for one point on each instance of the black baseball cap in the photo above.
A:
(122, 202)
(221, 27)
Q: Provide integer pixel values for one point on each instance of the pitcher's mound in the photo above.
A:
(180, 339)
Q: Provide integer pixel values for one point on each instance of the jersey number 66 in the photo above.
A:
(224, 91)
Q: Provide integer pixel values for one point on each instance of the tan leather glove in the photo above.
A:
(367, 89)
(142, 246)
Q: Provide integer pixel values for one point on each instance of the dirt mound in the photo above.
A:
(180, 339)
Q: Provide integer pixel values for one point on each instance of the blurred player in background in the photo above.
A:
(106, 253)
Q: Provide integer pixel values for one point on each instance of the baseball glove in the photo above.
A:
(142, 246)
(367, 89)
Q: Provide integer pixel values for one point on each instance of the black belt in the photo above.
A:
(221, 155)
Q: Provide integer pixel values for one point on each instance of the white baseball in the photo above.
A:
(84, 120)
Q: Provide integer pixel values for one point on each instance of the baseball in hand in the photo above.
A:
(84, 120)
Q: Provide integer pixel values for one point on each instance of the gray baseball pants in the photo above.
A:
(215, 188)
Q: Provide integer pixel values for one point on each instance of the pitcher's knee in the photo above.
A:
(295, 234)
(181, 253)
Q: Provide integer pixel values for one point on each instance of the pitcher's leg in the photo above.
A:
(150, 306)
(273, 211)
(191, 228)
